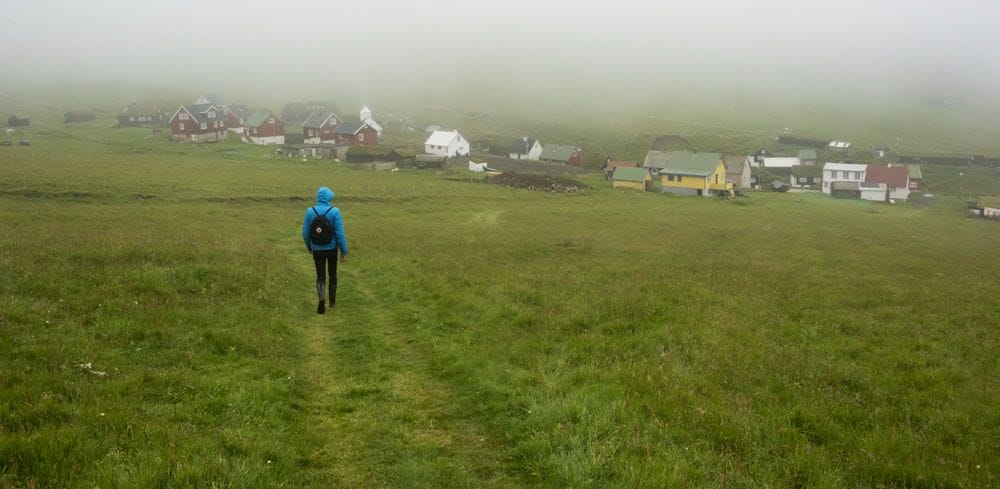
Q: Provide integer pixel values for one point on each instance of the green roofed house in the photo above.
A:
(807, 156)
(915, 177)
(806, 177)
(559, 153)
(688, 173)
(633, 178)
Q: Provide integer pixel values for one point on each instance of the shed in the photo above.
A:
(806, 177)
(370, 154)
(631, 178)
(561, 153)
(78, 116)
(845, 190)
(14, 121)
(425, 161)
(807, 156)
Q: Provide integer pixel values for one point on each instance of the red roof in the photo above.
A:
(622, 164)
(892, 176)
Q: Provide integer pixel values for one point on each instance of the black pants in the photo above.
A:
(324, 260)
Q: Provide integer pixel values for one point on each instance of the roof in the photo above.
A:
(687, 163)
(844, 167)
(656, 159)
(915, 172)
(807, 171)
(894, 176)
(623, 164)
(839, 144)
(197, 111)
(630, 174)
(136, 109)
(807, 154)
(370, 151)
(558, 152)
(735, 164)
(442, 138)
(349, 127)
(522, 145)
(317, 119)
(783, 162)
(430, 158)
(258, 118)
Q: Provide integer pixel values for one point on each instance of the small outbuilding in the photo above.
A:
(807, 156)
(525, 148)
(14, 121)
(915, 177)
(74, 116)
(631, 178)
(561, 153)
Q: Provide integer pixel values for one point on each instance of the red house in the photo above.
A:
(356, 133)
(264, 128)
(198, 123)
(319, 127)
(236, 118)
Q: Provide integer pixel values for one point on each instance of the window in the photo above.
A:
(204, 125)
(679, 178)
(211, 114)
(181, 126)
(803, 180)
(184, 116)
(361, 137)
(270, 120)
(826, 184)
(670, 178)
(131, 118)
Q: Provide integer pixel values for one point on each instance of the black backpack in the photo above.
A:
(320, 229)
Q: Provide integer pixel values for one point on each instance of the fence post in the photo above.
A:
(67, 184)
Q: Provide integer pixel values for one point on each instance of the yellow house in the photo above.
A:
(688, 173)
(633, 178)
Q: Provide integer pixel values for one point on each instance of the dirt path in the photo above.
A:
(376, 416)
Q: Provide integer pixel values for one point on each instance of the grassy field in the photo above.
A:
(159, 325)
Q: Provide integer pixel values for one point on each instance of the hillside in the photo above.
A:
(158, 313)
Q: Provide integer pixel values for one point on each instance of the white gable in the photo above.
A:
(442, 138)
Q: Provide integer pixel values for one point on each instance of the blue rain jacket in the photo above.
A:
(323, 198)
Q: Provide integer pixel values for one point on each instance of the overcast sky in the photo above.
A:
(517, 42)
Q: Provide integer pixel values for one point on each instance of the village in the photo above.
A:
(829, 167)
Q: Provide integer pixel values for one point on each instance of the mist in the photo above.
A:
(525, 53)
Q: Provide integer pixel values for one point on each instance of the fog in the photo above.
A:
(544, 51)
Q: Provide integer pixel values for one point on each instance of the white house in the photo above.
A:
(842, 172)
(366, 117)
(446, 143)
(524, 148)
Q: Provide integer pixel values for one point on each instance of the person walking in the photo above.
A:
(323, 233)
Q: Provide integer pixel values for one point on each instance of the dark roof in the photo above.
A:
(735, 164)
(258, 118)
(136, 109)
(316, 119)
(622, 164)
(558, 152)
(670, 143)
(914, 172)
(423, 158)
(349, 127)
(383, 151)
(198, 111)
(807, 154)
(894, 176)
(521, 145)
(656, 159)
(807, 171)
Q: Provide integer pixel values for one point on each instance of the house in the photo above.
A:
(632, 178)
(135, 115)
(319, 126)
(804, 176)
(356, 133)
(842, 172)
(738, 171)
(610, 165)
(655, 161)
(560, 153)
(198, 123)
(264, 128)
(78, 116)
(807, 156)
(839, 146)
(236, 117)
(689, 173)
(14, 121)
(915, 177)
(446, 143)
(896, 179)
(525, 148)
(366, 117)
(372, 154)
(880, 150)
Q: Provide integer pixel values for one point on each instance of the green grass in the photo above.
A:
(484, 336)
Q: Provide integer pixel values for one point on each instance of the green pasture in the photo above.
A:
(158, 322)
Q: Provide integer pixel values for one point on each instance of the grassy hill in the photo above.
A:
(157, 311)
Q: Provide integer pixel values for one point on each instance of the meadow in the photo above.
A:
(159, 330)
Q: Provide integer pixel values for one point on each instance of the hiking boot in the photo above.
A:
(321, 308)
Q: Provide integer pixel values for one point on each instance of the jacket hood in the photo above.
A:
(324, 196)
